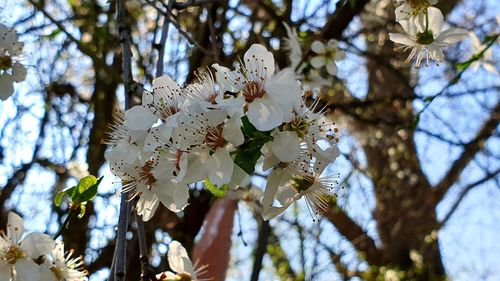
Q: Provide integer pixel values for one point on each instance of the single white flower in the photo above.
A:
(11, 70)
(269, 96)
(164, 104)
(425, 36)
(212, 136)
(153, 181)
(181, 264)
(326, 55)
(317, 191)
(63, 266)
(405, 9)
(17, 253)
(204, 92)
(486, 61)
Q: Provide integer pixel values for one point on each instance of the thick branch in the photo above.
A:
(354, 233)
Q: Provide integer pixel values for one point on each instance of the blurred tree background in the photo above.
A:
(421, 182)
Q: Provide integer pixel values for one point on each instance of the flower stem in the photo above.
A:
(64, 224)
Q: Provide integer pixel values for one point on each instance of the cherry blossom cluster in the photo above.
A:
(35, 256)
(424, 33)
(11, 70)
(217, 129)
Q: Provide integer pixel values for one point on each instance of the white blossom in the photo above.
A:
(17, 254)
(63, 267)
(180, 263)
(269, 96)
(326, 56)
(425, 36)
(11, 70)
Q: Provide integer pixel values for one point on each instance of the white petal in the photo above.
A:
(7, 86)
(228, 80)
(270, 160)
(221, 167)
(156, 135)
(18, 72)
(318, 62)
(451, 36)
(232, 131)
(258, 62)
(271, 212)
(215, 117)
(166, 91)
(436, 19)
(273, 181)
(324, 157)
(283, 88)
(286, 146)
(147, 204)
(27, 269)
(318, 47)
(37, 244)
(45, 273)
(265, 114)
(196, 168)
(402, 39)
(139, 118)
(15, 227)
(409, 27)
(178, 258)
(403, 12)
(331, 68)
(5, 270)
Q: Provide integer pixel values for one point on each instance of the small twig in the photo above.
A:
(121, 239)
(161, 45)
(147, 272)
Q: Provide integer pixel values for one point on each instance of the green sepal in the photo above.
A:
(215, 190)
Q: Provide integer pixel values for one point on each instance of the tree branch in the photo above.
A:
(470, 151)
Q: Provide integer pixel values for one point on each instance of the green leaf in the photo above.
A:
(247, 158)
(86, 183)
(247, 128)
(58, 198)
(91, 192)
(215, 190)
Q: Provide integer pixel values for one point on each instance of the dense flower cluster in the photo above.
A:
(11, 70)
(35, 256)
(423, 29)
(217, 129)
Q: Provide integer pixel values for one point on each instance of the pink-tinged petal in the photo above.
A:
(265, 114)
(259, 62)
